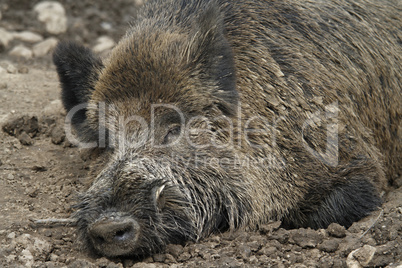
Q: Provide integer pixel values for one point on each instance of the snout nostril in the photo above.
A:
(122, 235)
(113, 231)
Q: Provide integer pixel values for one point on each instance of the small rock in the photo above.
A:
(329, 246)
(21, 51)
(53, 14)
(11, 235)
(58, 135)
(2, 70)
(25, 139)
(144, 265)
(159, 257)
(306, 238)
(53, 257)
(28, 37)
(103, 43)
(269, 227)
(78, 263)
(169, 259)
(364, 255)
(336, 230)
(5, 38)
(33, 193)
(26, 257)
(267, 251)
(244, 251)
(185, 256)
(11, 69)
(3, 85)
(23, 70)
(27, 124)
(174, 250)
(43, 48)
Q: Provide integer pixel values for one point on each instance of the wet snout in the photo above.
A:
(114, 236)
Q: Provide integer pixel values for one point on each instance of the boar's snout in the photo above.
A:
(114, 237)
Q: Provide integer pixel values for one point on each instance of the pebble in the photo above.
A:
(336, 230)
(174, 250)
(11, 69)
(159, 257)
(26, 257)
(5, 38)
(103, 43)
(364, 255)
(244, 251)
(329, 246)
(58, 135)
(169, 259)
(21, 51)
(306, 238)
(3, 85)
(11, 235)
(28, 37)
(43, 48)
(2, 71)
(144, 265)
(53, 14)
(25, 139)
(23, 70)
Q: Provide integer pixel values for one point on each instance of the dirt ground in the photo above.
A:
(41, 173)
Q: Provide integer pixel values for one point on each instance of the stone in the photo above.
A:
(174, 250)
(58, 135)
(53, 14)
(329, 246)
(43, 48)
(103, 43)
(244, 251)
(336, 230)
(5, 38)
(159, 257)
(25, 139)
(28, 37)
(306, 238)
(26, 257)
(21, 51)
(364, 255)
(23, 70)
(11, 69)
(11, 235)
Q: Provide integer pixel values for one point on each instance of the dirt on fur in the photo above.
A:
(41, 173)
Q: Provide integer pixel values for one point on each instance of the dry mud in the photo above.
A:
(41, 173)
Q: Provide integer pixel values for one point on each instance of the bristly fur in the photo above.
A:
(301, 66)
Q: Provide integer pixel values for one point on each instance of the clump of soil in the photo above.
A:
(41, 174)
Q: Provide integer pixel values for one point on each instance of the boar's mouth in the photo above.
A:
(114, 236)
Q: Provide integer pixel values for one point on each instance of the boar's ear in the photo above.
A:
(78, 69)
(213, 54)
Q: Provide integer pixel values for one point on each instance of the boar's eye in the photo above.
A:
(172, 135)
